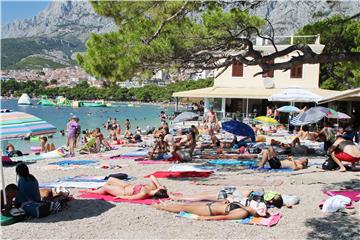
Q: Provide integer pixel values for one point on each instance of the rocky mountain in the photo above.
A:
(61, 19)
(68, 23)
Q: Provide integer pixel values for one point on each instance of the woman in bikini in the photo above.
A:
(219, 210)
(124, 190)
(344, 150)
(160, 149)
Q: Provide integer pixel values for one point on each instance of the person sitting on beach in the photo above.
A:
(84, 138)
(160, 148)
(344, 150)
(125, 190)
(100, 140)
(45, 146)
(190, 141)
(269, 155)
(11, 152)
(169, 139)
(226, 210)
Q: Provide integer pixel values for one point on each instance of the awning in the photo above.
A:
(348, 95)
(250, 93)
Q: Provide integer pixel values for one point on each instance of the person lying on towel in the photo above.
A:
(226, 210)
(269, 155)
(125, 190)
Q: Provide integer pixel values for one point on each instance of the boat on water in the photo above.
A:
(24, 99)
(44, 101)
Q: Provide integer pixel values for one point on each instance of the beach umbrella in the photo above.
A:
(266, 120)
(238, 128)
(339, 115)
(289, 109)
(295, 95)
(185, 116)
(19, 124)
(15, 125)
(312, 115)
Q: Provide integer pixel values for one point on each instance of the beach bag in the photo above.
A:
(185, 156)
(37, 209)
(121, 176)
(330, 164)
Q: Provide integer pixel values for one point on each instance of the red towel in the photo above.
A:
(354, 195)
(110, 198)
(179, 174)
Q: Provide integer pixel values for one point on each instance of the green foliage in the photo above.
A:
(13, 50)
(33, 62)
(121, 55)
(83, 91)
(338, 36)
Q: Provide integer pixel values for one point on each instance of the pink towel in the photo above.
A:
(126, 157)
(153, 162)
(179, 174)
(271, 221)
(354, 195)
(110, 198)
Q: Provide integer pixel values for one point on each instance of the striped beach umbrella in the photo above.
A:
(19, 124)
(289, 109)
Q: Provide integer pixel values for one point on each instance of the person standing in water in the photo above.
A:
(127, 124)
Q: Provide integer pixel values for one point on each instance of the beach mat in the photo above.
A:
(227, 156)
(137, 153)
(180, 174)
(126, 157)
(109, 198)
(262, 221)
(8, 220)
(269, 169)
(187, 168)
(231, 162)
(28, 158)
(354, 195)
(153, 162)
(73, 184)
(74, 162)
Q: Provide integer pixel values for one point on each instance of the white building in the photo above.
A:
(202, 75)
(237, 90)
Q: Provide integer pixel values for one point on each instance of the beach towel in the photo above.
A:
(354, 195)
(180, 174)
(8, 220)
(72, 184)
(84, 178)
(232, 162)
(7, 162)
(269, 169)
(109, 198)
(126, 157)
(153, 162)
(137, 153)
(28, 158)
(186, 168)
(262, 221)
(74, 162)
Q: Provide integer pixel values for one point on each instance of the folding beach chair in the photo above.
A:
(89, 147)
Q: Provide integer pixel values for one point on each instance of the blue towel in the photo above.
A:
(137, 153)
(74, 162)
(267, 169)
(232, 162)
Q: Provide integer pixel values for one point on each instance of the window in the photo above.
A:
(269, 74)
(237, 69)
(296, 71)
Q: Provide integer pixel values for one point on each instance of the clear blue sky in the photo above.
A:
(12, 10)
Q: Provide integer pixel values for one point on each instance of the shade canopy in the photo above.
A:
(19, 124)
(238, 128)
(295, 95)
(266, 120)
(312, 115)
(288, 109)
(185, 116)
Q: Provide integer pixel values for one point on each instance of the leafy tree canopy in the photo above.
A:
(337, 39)
(185, 34)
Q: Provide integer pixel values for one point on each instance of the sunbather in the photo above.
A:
(344, 150)
(269, 155)
(225, 210)
(125, 190)
(45, 146)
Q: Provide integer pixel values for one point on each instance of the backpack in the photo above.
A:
(330, 164)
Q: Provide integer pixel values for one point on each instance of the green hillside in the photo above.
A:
(33, 62)
(14, 50)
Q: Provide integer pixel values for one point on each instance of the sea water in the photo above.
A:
(140, 115)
